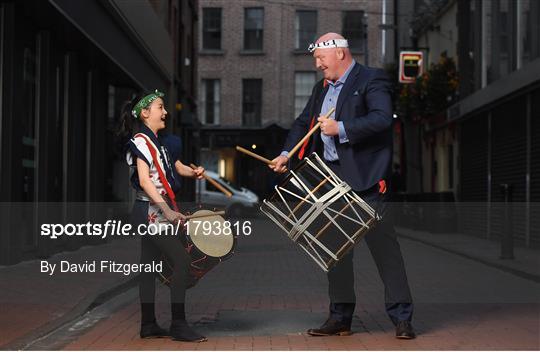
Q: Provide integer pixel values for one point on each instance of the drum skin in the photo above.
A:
(214, 244)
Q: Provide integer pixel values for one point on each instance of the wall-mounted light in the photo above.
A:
(221, 168)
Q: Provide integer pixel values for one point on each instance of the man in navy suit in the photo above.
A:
(356, 143)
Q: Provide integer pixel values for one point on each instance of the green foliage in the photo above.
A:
(431, 93)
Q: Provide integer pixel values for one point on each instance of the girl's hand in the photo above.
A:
(198, 172)
(174, 216)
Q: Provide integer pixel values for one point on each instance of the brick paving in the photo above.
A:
(526, 262)
(33, 303)
(269, 293)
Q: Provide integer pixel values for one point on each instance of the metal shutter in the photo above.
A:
(508, 163)
(473, 175)
(535, 166)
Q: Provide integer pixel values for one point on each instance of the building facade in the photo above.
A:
(66, 67)
(255, 73)
(484, 147)
(438, 40)
(498, 114)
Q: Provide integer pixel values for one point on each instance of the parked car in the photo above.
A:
(242, 203)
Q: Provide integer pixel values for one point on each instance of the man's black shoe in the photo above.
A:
(181, 331)
(152, 331)
(330, 328)
(404, 330)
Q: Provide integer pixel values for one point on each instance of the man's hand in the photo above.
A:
(329, 127)
(279, 164)
(198, 172)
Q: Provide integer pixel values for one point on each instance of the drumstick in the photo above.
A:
(195, 216)
(256, 156)
(214, 182)
(296, 147)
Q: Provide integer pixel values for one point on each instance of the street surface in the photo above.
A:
(269, 293)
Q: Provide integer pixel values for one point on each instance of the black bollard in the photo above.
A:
(507, 240)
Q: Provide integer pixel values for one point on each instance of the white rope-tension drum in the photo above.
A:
(319, 212)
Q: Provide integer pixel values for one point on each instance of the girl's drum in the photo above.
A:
(207, 242)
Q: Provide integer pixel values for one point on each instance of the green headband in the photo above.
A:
(144, 102)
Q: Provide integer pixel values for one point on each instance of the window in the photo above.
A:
(27, 120)
(353, 29)
(210, 101)
(500, 19)
(211, 39)
(251, 102)
(303, 85)
(529, 29)
(253, 28)
(504, 28)
(305, 26)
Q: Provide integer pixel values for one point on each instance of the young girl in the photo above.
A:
(155, 183)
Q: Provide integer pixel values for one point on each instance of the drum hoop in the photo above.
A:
(318, 260)
(271, 216)
(309, 192)
(323, 164)
(221, 257)
(336, 180)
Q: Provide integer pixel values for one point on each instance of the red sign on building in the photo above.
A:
(410, 65)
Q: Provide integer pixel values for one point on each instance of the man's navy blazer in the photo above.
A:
(365, 107)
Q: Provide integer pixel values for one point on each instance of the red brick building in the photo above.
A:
(255, 73)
